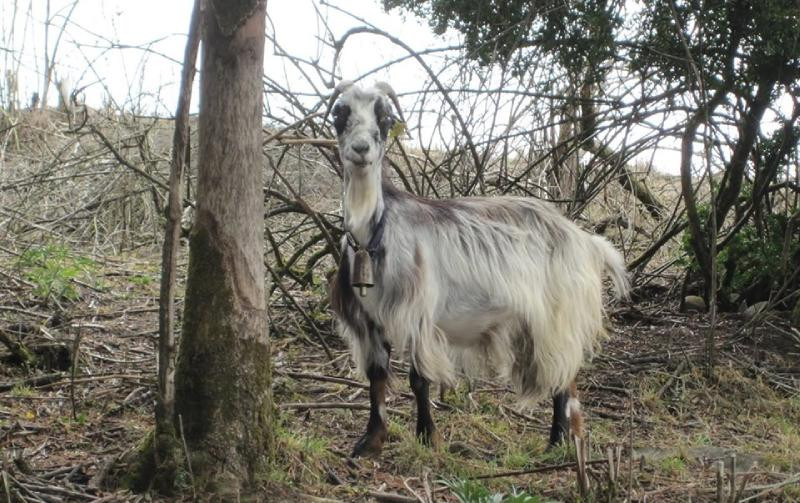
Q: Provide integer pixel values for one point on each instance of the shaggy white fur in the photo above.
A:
(502, 283)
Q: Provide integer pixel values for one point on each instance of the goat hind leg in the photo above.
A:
(426, 430)
(567, 418)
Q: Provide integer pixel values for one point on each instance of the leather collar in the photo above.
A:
(374, 245)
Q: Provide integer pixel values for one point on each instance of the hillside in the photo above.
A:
(81, 219)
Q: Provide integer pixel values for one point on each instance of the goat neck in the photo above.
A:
(363, 202)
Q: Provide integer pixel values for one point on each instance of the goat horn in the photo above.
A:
(337, 91)
(386, 89)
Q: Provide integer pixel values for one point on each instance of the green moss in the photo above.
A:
(223, 376)
(156, 465)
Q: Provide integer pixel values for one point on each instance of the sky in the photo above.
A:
(131, 50)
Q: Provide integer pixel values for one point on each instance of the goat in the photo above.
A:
(506, 283)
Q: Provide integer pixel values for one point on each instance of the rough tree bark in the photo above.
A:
(223, 403)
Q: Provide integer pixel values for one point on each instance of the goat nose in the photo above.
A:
(361, 146)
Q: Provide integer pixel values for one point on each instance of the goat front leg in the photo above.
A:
(371, 443)
(426, 430)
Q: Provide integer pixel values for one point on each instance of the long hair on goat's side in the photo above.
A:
(482, 283)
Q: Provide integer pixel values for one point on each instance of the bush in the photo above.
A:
(52, 269)
(471, 491)
(756, 262)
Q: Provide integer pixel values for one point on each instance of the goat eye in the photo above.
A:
(340, 114)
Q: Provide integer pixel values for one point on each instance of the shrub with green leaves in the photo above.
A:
(757, 260)
(52, 269)
(472, 491)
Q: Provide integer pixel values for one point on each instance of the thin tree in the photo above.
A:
(167, 342)
(222, 400)
(223, 410)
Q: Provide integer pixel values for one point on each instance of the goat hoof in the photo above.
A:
(431, 438)
(370, 444)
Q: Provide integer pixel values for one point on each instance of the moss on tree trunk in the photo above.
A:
(223, 373)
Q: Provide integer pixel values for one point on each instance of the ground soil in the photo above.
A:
(64, 435)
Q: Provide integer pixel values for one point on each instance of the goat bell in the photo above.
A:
(362, 272)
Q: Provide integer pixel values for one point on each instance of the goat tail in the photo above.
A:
(615, 266)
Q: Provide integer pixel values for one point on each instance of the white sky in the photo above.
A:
(143, 74)
(147, 72)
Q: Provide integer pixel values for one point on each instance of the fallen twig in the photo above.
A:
(322, 142)
(302, 311)
(540, 469)
(391, 497)
(672, 378)
(33, 381)
(318, 499)
(338, 405)
(764, 490)
(324, 378)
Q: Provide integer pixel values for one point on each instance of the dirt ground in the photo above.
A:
(646, 399)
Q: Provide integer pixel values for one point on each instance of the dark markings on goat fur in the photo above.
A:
(493, 277)
(384, 117)
(567, 419)
(426, 430)
(371, 443)
(560, 425)
(341, 113)
(343, 301)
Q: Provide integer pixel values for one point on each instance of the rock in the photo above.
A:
(694, 304)
(755, 309)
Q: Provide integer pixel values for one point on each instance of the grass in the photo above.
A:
(301, 456)
(673, 466)
(81, 419)
(21, 391)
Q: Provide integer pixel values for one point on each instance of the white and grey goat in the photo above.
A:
(506, 283)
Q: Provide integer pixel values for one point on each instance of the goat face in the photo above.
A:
(362, 119)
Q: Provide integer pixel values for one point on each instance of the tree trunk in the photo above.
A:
(223, 403)
(699, 238)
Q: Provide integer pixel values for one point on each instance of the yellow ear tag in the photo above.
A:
(398, 129)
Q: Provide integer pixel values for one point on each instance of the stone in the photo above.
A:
(755, 309)
(694, 304)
